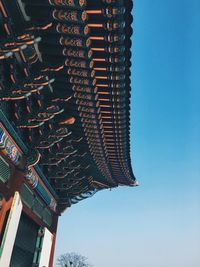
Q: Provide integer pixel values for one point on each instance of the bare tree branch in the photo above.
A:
(72, 260)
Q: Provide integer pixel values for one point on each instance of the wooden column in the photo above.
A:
(8, 190)
(55, 225)
(6, 204)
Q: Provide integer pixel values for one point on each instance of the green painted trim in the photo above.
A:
(5, 170)
(45, 215)
(38, 247)
(24, 149)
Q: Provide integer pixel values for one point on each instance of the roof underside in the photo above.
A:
(65, 86)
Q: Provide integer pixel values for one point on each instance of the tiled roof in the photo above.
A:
(65, 86)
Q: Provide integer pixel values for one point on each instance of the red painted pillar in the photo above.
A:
(55, 225)
(6, 204)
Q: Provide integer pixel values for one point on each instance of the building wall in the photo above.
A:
(24, 199)
(46, 248)
(10, 231)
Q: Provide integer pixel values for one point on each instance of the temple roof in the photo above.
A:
(65, 87)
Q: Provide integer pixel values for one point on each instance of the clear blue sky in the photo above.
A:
(158, 223)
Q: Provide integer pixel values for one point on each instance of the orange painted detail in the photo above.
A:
(93, 25)
(44, 27)
(53, 69)
(103, 99)
(22, 56)
(99, 59)
(105, 112)
(96, 38)
(5, 25)
(104, 69)
(3, 10)
(103, 93)
(70, 120)
(31, 57)
(107, 127)
(105, 106)
(106, 117)
(98, 49)
(101, 77)
(94, 11)
(102, 85)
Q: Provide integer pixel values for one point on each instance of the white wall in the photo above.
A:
(10, 231)
(46, 249)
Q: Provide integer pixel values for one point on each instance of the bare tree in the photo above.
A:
(72, 260)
